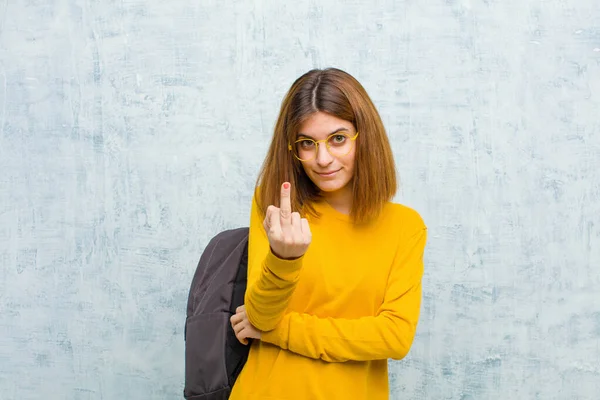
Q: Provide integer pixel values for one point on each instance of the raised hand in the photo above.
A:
(288, 234)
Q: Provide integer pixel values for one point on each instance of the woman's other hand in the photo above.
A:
(242, 327)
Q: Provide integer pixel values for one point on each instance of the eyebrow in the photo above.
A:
(336, 131)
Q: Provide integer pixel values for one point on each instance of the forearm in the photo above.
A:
(339, 340)
(268, 296)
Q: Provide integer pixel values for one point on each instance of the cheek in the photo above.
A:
(349, 161)
(307, 166)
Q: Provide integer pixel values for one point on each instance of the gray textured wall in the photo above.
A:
(131, 132)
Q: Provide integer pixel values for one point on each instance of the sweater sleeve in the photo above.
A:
(388, 334)
(271, 280)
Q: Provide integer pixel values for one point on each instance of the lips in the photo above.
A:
(326, 174)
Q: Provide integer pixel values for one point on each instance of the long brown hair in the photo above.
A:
(335, 92)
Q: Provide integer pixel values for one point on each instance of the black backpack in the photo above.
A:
(213, 355)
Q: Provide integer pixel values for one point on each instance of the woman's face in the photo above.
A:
(330, 172)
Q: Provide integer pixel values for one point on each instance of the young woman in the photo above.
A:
(334, 267)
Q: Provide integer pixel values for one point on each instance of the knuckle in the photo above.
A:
(275, 235)
(284, 213)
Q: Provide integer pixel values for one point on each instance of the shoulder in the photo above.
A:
(404, 218)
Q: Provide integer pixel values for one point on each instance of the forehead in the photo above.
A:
(320, 125)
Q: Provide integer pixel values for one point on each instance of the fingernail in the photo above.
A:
(286, 185)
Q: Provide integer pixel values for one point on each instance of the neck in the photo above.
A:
(341, 199)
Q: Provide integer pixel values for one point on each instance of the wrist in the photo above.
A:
(284, 258)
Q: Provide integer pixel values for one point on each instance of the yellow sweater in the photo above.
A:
(332, 318)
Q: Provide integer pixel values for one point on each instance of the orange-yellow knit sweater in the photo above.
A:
(332, 318)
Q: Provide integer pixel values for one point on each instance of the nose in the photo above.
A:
(323, 156)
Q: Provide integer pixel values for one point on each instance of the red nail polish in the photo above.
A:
(286, 185)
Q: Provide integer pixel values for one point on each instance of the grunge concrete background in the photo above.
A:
(131, 132)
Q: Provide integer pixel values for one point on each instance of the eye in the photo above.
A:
(338, 139)
(305, 143)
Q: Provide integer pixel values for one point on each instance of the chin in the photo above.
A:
(330, 187)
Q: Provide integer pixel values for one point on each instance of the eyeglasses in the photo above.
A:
(338, 145)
